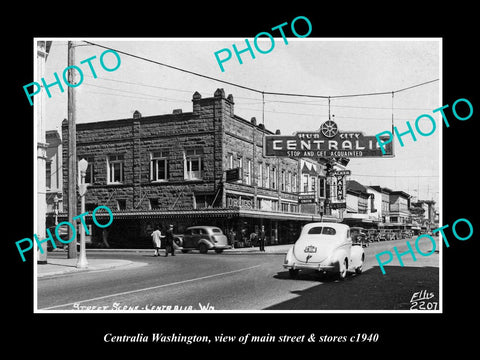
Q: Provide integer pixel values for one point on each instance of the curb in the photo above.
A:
(68, 269)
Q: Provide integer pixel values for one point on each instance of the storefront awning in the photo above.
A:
(211, 212)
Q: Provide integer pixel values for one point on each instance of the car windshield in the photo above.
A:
(216, 230)
(324, 230)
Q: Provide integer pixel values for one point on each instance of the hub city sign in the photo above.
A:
(329, 142)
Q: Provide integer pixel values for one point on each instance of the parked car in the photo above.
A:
(390, 235)
(203, 238)
(327, 248)
(358, 235)
(382, 236)
(372, 235)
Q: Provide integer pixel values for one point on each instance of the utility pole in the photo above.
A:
(72, 152)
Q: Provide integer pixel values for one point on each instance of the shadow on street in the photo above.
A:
(369, 291)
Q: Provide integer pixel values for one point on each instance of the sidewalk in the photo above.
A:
(56, 266)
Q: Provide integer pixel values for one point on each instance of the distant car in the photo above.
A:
(373, 235)
(325, 247)
(203, 238)
(382, 236)
(358, 235)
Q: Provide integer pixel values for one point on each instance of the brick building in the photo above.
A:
(201, 167)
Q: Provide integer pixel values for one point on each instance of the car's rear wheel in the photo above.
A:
(342, 271)
(359, 269)
(202, 248)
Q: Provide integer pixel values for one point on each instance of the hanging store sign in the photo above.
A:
(338, 205)
(233, 175)
(342, 173)
(307, 198)
(329, 142)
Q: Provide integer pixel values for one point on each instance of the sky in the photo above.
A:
(315, 66)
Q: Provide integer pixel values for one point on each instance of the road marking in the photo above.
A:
(152, 287)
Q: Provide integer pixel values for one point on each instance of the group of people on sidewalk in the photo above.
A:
(169, 248)
(157, 241)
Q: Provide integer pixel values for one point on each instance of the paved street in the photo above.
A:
(236, 281)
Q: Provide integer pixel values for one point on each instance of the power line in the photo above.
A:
(252, 89)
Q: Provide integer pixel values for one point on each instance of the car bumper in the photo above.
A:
(318, 267)
(221, 247)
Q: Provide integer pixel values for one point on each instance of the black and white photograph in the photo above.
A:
(261, 187)
(253, 182)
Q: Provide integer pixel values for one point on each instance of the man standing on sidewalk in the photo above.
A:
(169, 241)
(261, 239)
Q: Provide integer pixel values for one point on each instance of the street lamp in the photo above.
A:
(82, 189)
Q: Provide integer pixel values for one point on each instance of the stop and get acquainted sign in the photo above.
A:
(329, 142)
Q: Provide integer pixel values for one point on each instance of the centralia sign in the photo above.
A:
(328, 142)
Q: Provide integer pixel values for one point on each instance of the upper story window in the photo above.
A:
(321, 189)
(115, 169)
(248, 172)
(48, 174)
(159, 166)
(193, 164)
(313, 183)
(260, 175)
(267, 176)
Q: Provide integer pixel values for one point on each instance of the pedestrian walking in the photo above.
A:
(157, 240)
(261, 239)
(169, 241)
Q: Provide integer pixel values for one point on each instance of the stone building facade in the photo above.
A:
(190, 168)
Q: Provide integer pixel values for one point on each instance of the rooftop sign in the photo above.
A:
(329, 142)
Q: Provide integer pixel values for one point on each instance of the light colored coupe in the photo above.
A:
(325, 247)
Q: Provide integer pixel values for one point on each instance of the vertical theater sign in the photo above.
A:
(327, 143)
